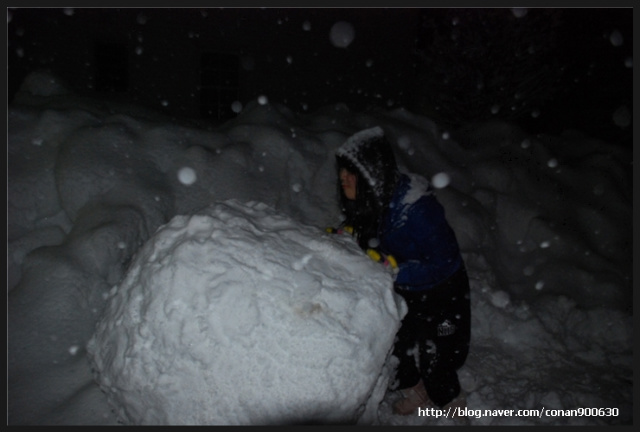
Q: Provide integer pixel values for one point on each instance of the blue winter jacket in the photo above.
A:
(416, 233)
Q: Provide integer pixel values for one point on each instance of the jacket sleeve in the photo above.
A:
(429, 250)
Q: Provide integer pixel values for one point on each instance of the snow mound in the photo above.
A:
(240, 315)
(44, 83)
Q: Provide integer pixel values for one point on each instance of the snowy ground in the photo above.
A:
(544, 222)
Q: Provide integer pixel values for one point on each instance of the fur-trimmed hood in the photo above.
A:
(369, 153)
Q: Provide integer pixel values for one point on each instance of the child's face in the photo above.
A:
(348, 181)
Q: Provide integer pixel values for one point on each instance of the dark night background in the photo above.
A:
(548, 70)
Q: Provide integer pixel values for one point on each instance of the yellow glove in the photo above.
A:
(346, 229)
(386, 260)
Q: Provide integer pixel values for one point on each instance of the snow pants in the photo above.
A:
(433, 340)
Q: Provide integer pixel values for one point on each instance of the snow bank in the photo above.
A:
(239, 315)
(544, 222)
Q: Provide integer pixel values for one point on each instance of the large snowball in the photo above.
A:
(240, 315)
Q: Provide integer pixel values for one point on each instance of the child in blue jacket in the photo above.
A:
(397, 215)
